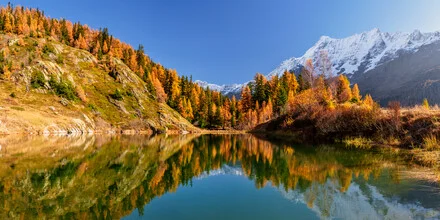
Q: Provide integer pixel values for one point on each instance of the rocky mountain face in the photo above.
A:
(389, 66)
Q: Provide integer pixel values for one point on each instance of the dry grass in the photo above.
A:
(431, 142)
(358, 143)
(425, 158)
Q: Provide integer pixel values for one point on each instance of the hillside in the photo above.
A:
(49, 87)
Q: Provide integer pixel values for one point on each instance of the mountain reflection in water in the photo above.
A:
(91, 177)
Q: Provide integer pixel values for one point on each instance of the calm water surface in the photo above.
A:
(207, 177)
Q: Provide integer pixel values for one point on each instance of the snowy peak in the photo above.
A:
(360, 52)
(353, 55)
(224, 89)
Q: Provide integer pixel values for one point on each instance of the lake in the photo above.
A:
(236, 176)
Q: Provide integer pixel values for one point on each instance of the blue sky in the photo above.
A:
(229, 41)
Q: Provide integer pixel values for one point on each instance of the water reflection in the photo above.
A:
(109, 177)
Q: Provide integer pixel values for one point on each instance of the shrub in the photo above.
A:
(63, 89)
(114, 74)
(60, 59)
(129, 94)
(37, 80)
(48, 48)
(117, 95)
(12, 95)
(92, 107)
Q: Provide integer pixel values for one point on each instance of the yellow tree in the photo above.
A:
(274, 85)
(82, 43)
(105, 48)
(291, 82)
(173, 85)
(226, 113)
(368, 101)
(246, 99)
(425, 103)
(189, 110)
(356, 96)
(343, 90)
(321, 91)
(8, 23)
(290, 104)
(160, 93)
(96, 48)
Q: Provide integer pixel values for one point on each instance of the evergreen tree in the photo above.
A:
(260, 88)
(281, 99)
(140, 56)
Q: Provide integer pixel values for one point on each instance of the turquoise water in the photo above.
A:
(207, 177)
(224, 197)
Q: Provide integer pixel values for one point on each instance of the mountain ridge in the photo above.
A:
(354, 55)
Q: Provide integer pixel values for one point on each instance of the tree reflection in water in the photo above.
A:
(109, 177)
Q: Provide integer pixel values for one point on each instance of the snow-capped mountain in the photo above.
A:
(359, 53)
(390, 66)
(231, 89)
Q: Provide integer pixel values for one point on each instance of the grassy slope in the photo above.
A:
(40, 110)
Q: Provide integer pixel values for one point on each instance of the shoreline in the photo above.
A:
(415, 156)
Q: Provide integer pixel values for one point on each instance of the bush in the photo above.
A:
(60, 59)
(92, 107)
(38, 80)
(48, 48)
(117, 95)
(63, 89)
(114, 74)
(12, 95)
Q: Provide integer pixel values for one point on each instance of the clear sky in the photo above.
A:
(229, 41)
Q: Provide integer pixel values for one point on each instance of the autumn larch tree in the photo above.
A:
(356, 96)
(343, 90)
(246, 99)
